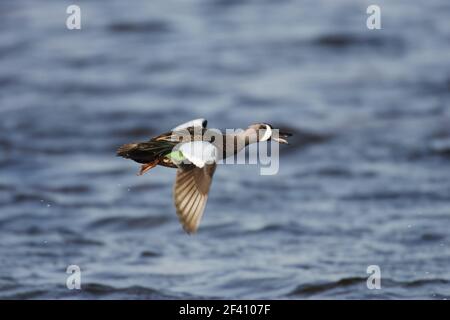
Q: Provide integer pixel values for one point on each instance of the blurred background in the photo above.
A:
(365, 181)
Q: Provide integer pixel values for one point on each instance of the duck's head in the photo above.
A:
(265, 132)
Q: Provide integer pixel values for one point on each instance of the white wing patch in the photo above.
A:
(193, 123)
(199, 152)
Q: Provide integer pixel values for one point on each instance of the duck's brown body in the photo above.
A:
(194, 176)
(154, 152)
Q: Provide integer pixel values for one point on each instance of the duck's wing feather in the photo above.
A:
(182, 133)
(191, 193)
(200, 153)
(193, 123)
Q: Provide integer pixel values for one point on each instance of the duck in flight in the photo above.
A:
(194, 151)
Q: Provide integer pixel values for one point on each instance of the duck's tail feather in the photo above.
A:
(125, 150)
(145, 152)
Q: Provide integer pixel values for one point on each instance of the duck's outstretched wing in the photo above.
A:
(191, 193)
(193, 123)
(199, 153)
(178, 133)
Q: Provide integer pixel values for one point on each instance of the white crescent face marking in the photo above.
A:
(267, 134)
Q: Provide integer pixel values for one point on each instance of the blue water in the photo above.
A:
(365, 181)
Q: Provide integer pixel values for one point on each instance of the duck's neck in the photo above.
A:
(236, 142)
(248, 137)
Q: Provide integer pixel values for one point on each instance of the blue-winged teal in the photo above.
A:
(195, 158)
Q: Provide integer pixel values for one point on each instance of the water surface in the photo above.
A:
(365, 181)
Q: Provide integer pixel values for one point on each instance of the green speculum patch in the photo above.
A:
(175, 156)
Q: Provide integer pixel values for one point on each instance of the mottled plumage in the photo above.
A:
(179, 149)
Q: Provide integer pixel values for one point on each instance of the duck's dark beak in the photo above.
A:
(282, 136)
